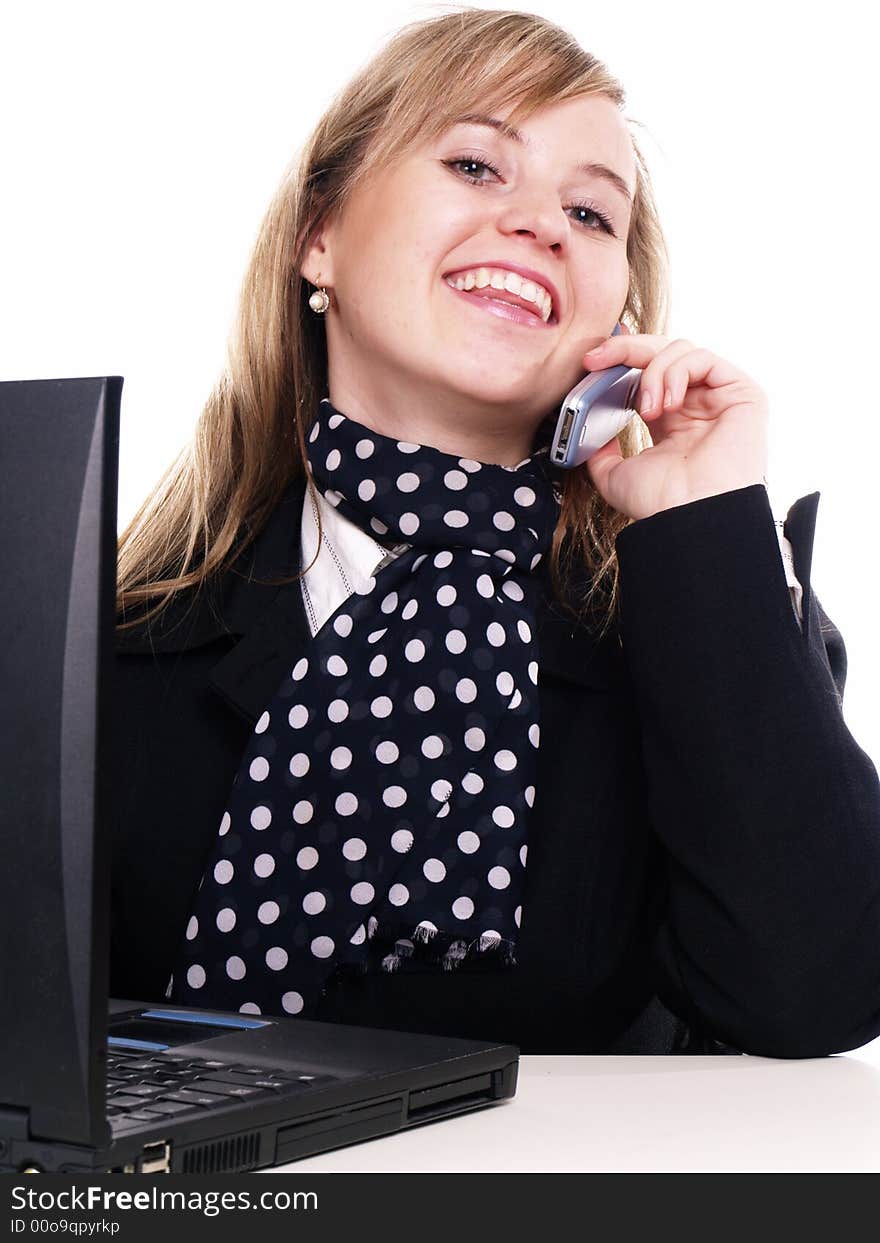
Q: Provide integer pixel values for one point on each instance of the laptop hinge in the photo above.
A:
(14, 1123)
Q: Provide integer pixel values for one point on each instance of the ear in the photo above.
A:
(317, 264)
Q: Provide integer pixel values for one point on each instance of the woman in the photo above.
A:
(418, 731)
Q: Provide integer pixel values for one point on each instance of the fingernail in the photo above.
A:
(596, 348)
(646, 403)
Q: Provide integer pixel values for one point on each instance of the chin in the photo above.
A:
(503, 397)
(498, 382)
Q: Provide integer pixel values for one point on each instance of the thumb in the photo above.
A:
(601, 464)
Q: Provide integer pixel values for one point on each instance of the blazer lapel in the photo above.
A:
(248, 676)
(274, 630)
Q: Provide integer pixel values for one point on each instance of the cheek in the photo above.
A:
(412, 234)
(600, 291)
(396, 244)
(385, 251)
(387, 293)
(380, 298)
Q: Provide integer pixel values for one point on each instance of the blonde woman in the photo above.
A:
(419, 731)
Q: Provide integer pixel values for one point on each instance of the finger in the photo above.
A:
(670, 382)
(652, 383)
(676, 381)
(647, 352)
(636, 349)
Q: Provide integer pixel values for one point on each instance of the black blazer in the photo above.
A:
(704, 853)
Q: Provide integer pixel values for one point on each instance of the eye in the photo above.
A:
(467, 166)
(472, 162)
(594, 211)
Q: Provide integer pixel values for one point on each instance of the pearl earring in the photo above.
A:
(319, 301)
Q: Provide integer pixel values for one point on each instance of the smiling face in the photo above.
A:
(469, 277)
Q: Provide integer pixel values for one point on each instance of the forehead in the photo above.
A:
(587, 128)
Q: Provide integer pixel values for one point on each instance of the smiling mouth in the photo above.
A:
(503, 304)
(514, 286)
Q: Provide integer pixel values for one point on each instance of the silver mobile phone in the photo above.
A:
(595, 410)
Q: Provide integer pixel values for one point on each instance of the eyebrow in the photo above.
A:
(589, 167)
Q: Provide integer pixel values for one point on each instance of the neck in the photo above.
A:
(451, 422)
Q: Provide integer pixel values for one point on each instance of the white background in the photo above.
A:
(140, 145)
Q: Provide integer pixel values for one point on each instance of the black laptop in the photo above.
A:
(135, 1088)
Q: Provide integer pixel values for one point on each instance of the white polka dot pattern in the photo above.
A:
(379, 813)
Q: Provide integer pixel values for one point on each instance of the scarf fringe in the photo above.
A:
(424, 945)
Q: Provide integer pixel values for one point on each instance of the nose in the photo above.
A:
(537, 214)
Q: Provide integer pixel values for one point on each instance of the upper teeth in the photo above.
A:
(500, 278)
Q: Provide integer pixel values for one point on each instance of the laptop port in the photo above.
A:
(156, 1158)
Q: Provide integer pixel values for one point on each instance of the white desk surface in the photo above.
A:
(650, 1114)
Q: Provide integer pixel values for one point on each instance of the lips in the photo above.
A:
(504, 295)
(505, 307)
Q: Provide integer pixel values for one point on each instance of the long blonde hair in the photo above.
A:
(250, 440)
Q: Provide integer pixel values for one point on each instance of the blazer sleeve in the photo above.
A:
(767, 809)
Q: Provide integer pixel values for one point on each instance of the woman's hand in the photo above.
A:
(711, 438)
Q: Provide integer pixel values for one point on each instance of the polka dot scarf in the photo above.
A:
(383, 798)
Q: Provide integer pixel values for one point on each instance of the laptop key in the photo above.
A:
(228, 1089)
(123, 1102)
(245, 1081)
(306, 1080)
(170, 1107)
(191, 1097)
(274, 1085)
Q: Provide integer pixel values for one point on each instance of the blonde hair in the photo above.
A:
(250, 440)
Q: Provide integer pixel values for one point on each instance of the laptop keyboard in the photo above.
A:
(147, 1089)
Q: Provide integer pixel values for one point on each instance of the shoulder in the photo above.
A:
(229, 603)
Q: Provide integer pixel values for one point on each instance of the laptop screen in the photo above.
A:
(58, 457)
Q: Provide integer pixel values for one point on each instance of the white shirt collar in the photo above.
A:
(359, 553)
(348, 558)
